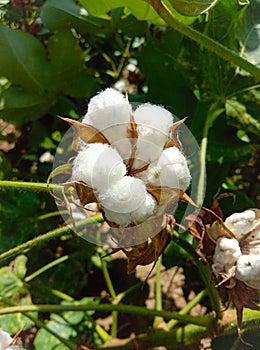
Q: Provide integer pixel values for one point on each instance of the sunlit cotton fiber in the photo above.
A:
(98, 165)
(110, 112)
(6, 340)
(241, 223)
(226, 255)
(153, 126)
(248, 270)
(170, 170)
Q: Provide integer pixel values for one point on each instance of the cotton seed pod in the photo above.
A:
(241, 223)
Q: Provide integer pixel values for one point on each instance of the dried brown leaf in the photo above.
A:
(85, 132)
(174, 135)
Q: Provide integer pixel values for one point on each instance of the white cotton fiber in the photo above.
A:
(226, 255)
(98, 165)
(241, 223)
(153, 126)
(248, 270)
(171, 170)
(110, 112)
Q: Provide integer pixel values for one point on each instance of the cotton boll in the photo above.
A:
(241, 223)
(226, 255)
(171, 170)
(121, 219)
(5, 340)
(124, 195)
(248, 270)
(110, 112)
(98, 165)
(153, 126)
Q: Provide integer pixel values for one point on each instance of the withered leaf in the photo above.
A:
(174, 135)
(85, 132)
(132, 134)
(167, 198)
(145, 255)
(242, 296)
(218, 229)
(85, 193)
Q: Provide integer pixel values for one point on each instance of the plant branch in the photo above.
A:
(29, 186)
(204, 321)
(210, 44)
(24, 247)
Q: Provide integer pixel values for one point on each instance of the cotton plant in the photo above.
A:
(130, 166)
(232, 249)
(6, 342)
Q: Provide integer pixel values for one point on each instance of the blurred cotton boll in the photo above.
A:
(98, 165)
(226, 255)
(6, 340)
(248, 270)
(171, 170)
(241, 223)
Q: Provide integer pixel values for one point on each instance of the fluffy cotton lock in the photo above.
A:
(226, 255)
(171, 170)
(143, 212)
(153, 127)
(248, 270)
(98, 165)
(127, 201)
(110, 112)
(241, 223)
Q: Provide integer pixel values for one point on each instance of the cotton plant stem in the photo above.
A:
(210, 44)
(203, 321)
(158, 292)
(188, 307)
(45, 268)
(29, 186)
(24, 247)
(113, 296)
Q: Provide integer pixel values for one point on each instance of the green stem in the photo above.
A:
(158, 292)
(212, 45)
(113, 296)
(188, 307)
(45, 268)
(24, 247)
(204, 321)
(29, 186)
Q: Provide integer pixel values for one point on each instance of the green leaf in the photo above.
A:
(57, 15)
(192, 7)
(23, 60)
(139, 8)
(45, 340)
(68, 66)
(20, 106)
(248, 33)
(238, 117)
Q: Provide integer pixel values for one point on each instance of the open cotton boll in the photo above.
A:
(226, 255)
(153, 126)
(109, 112)
(248, 270)
(241, 223)
(171, 170)
(98, 165)
(124, 195)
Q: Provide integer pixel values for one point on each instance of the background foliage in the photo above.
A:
(54, 56)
